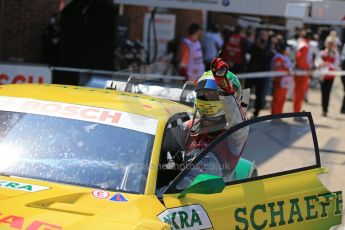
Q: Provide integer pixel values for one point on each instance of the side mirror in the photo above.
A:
(204, 184)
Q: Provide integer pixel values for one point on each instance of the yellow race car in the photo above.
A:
(83, 158)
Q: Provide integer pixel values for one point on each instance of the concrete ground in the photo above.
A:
(331, 136)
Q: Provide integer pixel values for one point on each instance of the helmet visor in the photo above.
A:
(209, 108)
(207, 95)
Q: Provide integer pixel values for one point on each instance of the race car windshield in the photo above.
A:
(74, 151)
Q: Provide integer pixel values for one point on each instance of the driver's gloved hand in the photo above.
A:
(219, 69)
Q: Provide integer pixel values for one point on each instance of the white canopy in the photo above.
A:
(328, 10)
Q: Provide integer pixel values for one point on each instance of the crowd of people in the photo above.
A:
(248, 51)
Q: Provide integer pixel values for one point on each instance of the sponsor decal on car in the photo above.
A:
(21, 186)
(18, 222)
(186, 217)
(18, 74)
(100, 194)
(118, 198)
(79, 112)
(273, 214)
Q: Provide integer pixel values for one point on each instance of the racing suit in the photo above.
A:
(203, 131)
(280, 62)
(222, 157)
(303, 62)
(200, 132)
(195, 136)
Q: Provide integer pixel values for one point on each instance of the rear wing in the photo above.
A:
(172, 88)
(167, 87)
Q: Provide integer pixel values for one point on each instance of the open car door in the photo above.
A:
(285, 193)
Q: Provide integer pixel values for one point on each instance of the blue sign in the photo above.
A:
(118, 198)
(226, 2)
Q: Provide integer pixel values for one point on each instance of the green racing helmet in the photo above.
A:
(207, 101)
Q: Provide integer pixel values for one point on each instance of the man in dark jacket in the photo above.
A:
(260, 61)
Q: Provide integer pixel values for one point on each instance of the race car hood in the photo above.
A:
(31, 204)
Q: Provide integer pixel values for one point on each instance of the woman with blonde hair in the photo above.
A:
(329, 60)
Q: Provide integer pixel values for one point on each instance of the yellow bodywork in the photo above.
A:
(61, 206)
(159, 109)
(72, 207)
(291, 201)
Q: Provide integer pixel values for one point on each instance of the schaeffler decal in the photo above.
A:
(21, 186)
(288, 212)
(186, 217)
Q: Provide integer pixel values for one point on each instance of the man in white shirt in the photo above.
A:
(212, 42)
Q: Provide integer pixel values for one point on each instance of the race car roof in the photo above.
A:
(160, 109)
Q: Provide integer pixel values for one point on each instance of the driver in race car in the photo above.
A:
(218, 94)
(219, 105)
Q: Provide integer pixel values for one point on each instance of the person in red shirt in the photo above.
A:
(328, 60)
(234, 50)
(281, 62)
(303, 63)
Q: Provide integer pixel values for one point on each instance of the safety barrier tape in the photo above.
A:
(251, 75)
(272, 74)
(119, 74)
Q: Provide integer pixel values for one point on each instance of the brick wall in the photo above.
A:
(24, 21)
(23, 24)
(136, 16)
(222, 19)
(183, 19)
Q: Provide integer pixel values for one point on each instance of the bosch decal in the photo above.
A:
(85, 113)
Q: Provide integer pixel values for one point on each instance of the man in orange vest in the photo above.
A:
(281, 62)
(191, 63)
(303, 63)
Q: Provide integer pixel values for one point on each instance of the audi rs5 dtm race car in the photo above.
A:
(83, 158)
